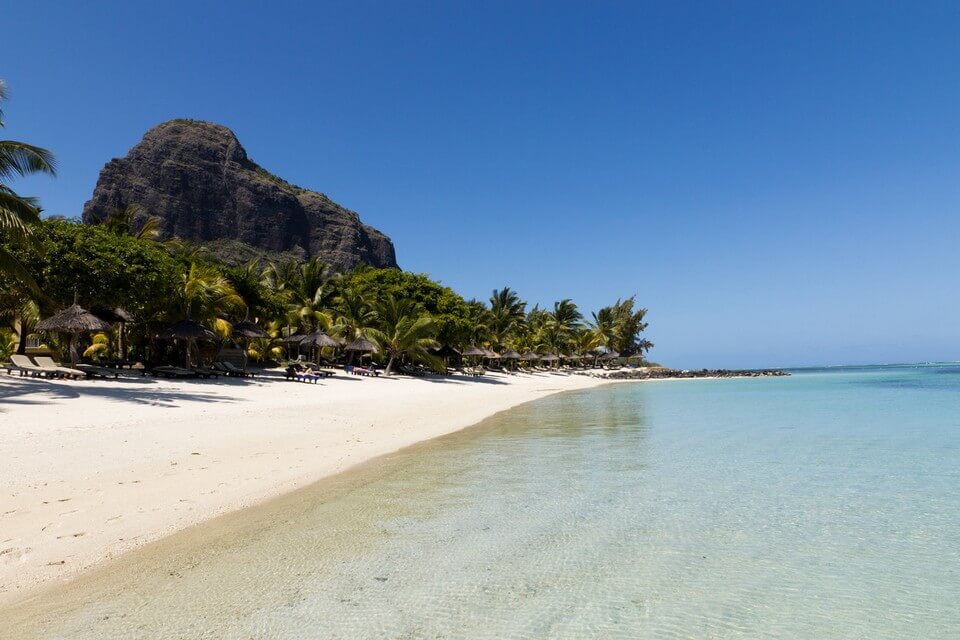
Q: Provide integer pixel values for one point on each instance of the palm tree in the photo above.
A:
(354, 315)
(122, 222)
(18, 213)
(312, 291)
(507, 314)
(644, 346)
(604, 326)
(405, 330)
(204, 293)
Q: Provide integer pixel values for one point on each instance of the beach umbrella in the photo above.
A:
(573, 356)
(247, 329)
(190, 331)
(320, 339)
(73, 320)
(490, 353)
(119, 316)
(610, 355)
(635, 356)
(473, 351)
(361, 345)
(293, 339)
(550, 357)
(510, 354)
(530, 356)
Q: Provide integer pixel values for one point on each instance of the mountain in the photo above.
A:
(196, 177)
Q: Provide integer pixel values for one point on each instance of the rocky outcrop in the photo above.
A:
(196, 177)
(662, 373)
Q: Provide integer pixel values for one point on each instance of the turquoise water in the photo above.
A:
(823, 505)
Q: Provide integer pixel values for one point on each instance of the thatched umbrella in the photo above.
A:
(319, 339)
(510, 354)
(73, 320)
(247, 329)
(361, 345)
(188, 330)
(550, 357)
(117, 315)
(530, 356)
(610, 356)
(473, 351)
(490, 353)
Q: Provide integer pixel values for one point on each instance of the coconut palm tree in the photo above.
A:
(204, 293)
(123, 220)
(507, 314)
(354, 317)
(18, 213)
(405, 330)
(604, 326)
(312, 291)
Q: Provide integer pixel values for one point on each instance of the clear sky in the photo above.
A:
(777, 182)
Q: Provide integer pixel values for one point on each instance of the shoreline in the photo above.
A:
(97, 469)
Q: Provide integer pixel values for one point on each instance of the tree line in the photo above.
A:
(46, 264)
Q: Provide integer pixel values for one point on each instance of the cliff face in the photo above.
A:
(196, 177)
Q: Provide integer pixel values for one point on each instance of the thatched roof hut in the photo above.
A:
(362, 344)
(188, 330)
(248, 329)
(73, 320)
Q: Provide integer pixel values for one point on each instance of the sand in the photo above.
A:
(90, 470)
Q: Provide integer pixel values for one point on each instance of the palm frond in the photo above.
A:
(20, 158)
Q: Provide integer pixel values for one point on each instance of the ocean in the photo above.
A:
(821, 505)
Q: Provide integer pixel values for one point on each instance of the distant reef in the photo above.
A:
(662, 373)
(196, 177)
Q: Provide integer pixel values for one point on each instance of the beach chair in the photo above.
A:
(11, 367)
(26, 365)
(233, 370)
(293, 375)
(167, 371)
(52, 368)
(94, 371)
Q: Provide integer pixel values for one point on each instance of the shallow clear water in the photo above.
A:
(824, 505)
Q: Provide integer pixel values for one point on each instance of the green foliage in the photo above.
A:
(18, 214)
(97, 266)
(451, 315)
(405, 330)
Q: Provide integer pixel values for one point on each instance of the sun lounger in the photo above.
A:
(166, 371)
(231, 369)
(26, 365)
(292, 374)
(52, 368)
(23, 371)
(94, 371)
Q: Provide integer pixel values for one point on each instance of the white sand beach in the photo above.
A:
(93, 469)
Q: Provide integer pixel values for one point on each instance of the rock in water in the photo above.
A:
(197, 179)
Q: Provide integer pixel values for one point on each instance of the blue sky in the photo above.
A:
(777, 182)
